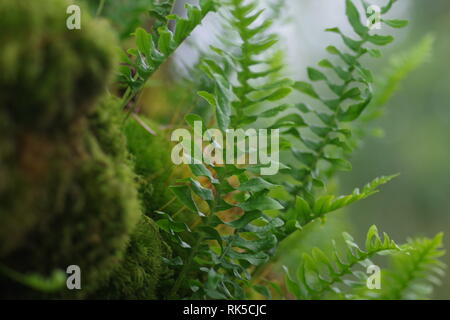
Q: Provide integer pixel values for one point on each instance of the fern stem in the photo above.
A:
(185, 269)
(243, 74)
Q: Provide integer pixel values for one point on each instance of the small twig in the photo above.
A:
(167, 204)
(143, 124)
(178, 212)
(100, 8)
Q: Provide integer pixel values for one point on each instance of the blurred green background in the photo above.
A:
(416, 144)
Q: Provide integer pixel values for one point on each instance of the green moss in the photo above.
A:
(82, 210)
(51, 75)
(153, 164)
(142, 268)
(91, 209)
(35, 170)
(106, 123)
(68, 192)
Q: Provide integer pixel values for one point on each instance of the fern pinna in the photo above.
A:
(241, 219)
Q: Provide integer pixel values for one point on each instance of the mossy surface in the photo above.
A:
(72, 190)
(77, 202)
(153, 164)
(49, 74)
(142, 268)
(141, 271)
(67, 187)
(88, 225)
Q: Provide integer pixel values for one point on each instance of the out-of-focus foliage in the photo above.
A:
(124, 15)
(400, 66)
(415, 133)
(26, 66)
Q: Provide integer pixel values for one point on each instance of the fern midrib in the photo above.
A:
(187, 266)
(242, 75)
(321, 151)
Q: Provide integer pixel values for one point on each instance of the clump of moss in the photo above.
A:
(68, 191)
(153, 164)
(69, 194)
(106, 123)
(87, 226)
(141, 270)
(50, 74)
(35, 170)
(148, 153)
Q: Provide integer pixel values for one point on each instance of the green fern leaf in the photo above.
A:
(318, 274)
(414, 273)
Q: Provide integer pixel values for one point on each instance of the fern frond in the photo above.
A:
(306, 212)
(320, 135)
(256, 65)
(414, 272)
(318, 274)
(251, 81)
(152, 49)
(351, 96)
(400, 66)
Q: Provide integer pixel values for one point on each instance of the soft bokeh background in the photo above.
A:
(416, 143)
